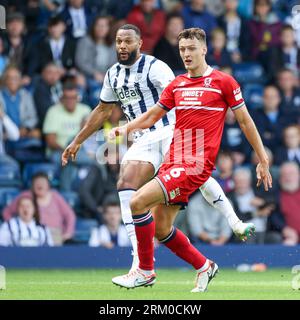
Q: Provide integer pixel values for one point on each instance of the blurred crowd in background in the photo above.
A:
(53, 58)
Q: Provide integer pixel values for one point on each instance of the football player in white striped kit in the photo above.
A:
(136, 82)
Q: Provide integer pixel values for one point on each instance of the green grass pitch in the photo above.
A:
(171, 284)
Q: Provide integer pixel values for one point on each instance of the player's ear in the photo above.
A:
(140, 43)
(204, 50)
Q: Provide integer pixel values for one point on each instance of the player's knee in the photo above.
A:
(123, 183)
(161, 232)
(136, 204)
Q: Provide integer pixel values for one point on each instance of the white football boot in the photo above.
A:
(135, 278)
(203, 278)
(244, 230)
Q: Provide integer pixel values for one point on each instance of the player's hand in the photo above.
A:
(117, 131)
(70, 152)
(263, 176)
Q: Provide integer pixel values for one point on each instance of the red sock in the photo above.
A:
(145, 229)
(179, 243)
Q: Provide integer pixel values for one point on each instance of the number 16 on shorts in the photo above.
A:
(2, 278)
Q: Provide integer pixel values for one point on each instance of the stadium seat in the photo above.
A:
(249, 72)
(72, 199)
(83, 230)
(253, 93)
(6, 197)
(10, 176)
(49, 168)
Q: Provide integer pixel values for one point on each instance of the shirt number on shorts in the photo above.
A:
(174, 173)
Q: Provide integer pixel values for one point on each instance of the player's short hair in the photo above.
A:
(193, 33)
(131, 27)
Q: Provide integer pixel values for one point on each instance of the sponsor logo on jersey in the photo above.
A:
(128, 96)
(237, 94)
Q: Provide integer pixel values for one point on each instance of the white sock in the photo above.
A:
(204, 267)
(125, 196)
(214, 194)
(147, 272)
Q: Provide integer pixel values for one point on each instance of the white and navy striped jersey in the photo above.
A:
(138, 87)
(16, 232)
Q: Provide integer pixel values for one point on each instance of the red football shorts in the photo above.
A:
(179, 181)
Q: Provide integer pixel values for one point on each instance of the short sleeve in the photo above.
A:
(167, 101)
(232, 93)
(107, 94)
(50, 123)
(161, 74)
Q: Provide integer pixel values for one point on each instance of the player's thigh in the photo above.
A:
(134, 174)
(164, 217)
(148, 196)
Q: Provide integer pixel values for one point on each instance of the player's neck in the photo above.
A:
(198, 72)
(136, 59)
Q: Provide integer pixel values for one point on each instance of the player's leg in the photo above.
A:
(133, 175)
(214, 194)
(179, 244)
(145, 198)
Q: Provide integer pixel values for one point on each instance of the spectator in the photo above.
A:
(54, 212)
(25, 229)
(235, 28)
(195, 15)
(270, 120)
(218, 54)
(119, 9)
(224, 172)
(264, 30)
(250, 208)
(3, 58)
(57, 47)
(167, 47)
(47, 90)
(276, 222)
(291, 149)
(233, 140)
(61, 124)
(17, 46)
(100, 181)
(8, 131)
(112, 233)
(290, 199)
(290, 92)
(77, 17)
(287, 55)
(151, 22)
(18, 104)
(206, 223)
(95, 54)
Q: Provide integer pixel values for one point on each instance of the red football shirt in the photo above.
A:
(201, 104)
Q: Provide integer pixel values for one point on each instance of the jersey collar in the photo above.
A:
(207, 72)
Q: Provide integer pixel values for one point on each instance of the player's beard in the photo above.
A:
(130, 60)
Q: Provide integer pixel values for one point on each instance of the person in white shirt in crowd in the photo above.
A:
(25, 230)
(206, 223)
(112, 233)
(8, 131)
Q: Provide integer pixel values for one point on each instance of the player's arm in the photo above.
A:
(94, 122)
(144, 121)
(249, 129)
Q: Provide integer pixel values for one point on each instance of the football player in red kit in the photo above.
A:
(201, 98)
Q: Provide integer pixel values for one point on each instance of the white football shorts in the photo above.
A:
(151, 147)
